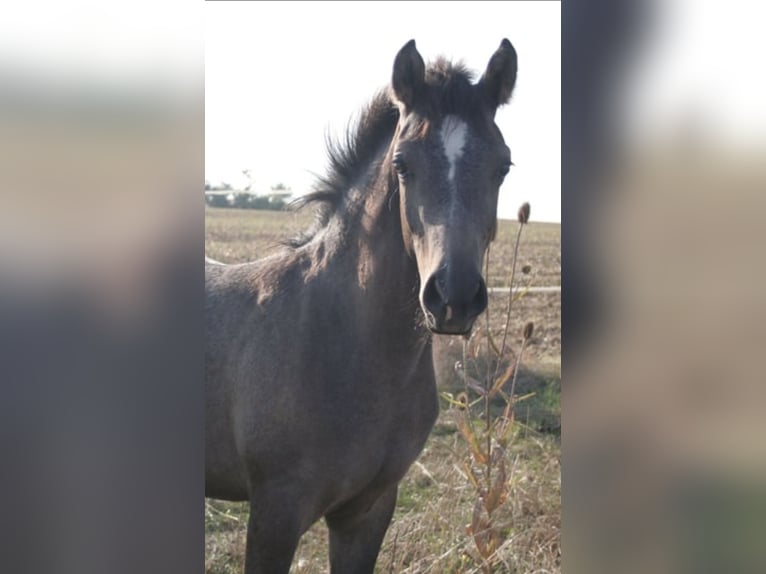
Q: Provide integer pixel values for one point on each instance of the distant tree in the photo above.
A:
(208, 187)
(280, 187)
(243, 199)
(276, 203)
(215, 200)
(260, 203)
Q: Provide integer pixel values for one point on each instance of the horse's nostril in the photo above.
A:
(433, 296)
(441, 288)
(480, 296)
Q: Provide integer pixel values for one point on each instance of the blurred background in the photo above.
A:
(101, 244)
(101, 279)
(664, 135)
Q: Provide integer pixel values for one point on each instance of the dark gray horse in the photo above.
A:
(319, 373)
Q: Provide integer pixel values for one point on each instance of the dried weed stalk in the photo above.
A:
(489, 440)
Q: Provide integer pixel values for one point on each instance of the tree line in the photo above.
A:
(224, 195)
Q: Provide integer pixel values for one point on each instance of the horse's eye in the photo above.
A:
(399, 165)
(504, 169)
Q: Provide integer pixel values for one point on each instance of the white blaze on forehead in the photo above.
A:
(453, 133)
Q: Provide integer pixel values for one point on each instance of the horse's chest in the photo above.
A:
(395, 421)
(391, 448)
(382, 442)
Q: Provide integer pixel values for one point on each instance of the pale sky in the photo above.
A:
(696, 64)
(279, 75)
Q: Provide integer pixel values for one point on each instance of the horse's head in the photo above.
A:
(450, 159)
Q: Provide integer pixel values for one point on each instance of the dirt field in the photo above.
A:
(436, 498)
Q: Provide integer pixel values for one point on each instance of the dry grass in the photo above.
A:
(436, 499)
(428, 533)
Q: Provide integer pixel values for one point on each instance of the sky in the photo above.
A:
(692, 69)
(279, 76)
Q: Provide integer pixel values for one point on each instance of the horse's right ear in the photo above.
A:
(409, 78)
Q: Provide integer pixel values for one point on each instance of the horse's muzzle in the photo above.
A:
(452, 301)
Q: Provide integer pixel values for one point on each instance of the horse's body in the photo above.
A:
(319, 375)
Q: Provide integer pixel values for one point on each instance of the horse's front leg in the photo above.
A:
(355, 538)
(273, 531)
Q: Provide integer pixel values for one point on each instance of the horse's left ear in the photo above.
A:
(499, 79)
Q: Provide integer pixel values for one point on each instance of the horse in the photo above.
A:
(319, 375)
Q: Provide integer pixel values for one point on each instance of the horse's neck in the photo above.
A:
(383, 276)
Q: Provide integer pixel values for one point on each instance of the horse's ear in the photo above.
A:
(499, 79)
(409, 78)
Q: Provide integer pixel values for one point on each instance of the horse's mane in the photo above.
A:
(450, 85)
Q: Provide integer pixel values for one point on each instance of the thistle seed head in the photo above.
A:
(523, 214)
(529, 328)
